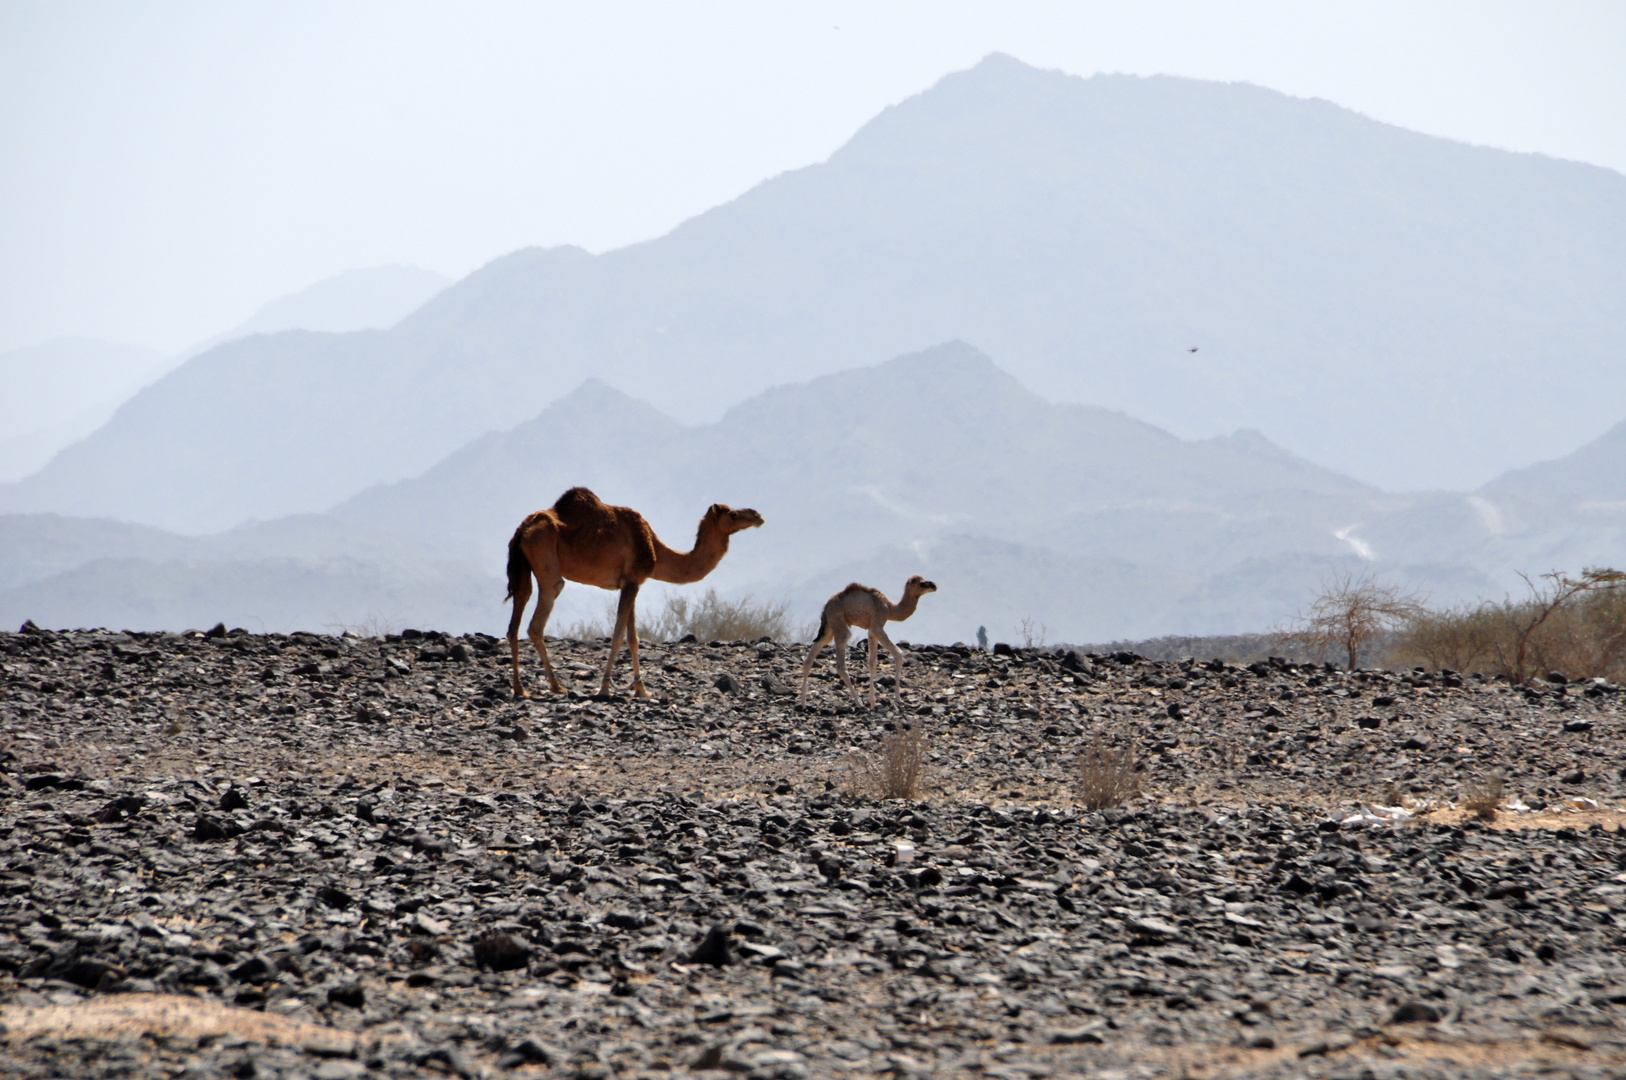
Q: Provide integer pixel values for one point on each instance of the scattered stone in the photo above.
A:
(713, 949)
(638, 885)
(350, 994)
(501, 952)
(1415, 1012)
(213, 828)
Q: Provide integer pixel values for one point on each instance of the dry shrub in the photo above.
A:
(373, 626)
(710, 618)
(1106, 777)
(1033, 633)
(1576, 626)
(1481, 797)
(1352, 614)
(1458, 639)
(1588, 638)
(898, 770)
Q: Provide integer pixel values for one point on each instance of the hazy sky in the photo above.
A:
(165, 168)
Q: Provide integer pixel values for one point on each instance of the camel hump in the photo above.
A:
(578, 505)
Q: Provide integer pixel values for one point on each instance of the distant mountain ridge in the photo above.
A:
(53, 394)
(369, 298)
(1076, 519)
(1362, 295)
(62, 390)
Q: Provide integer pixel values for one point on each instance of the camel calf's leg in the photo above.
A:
(807, 665)
(872, 655)
(897, 655)
(842, 638)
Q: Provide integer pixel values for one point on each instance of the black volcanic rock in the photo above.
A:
(713, 949)
(675, 871)
(501, 952)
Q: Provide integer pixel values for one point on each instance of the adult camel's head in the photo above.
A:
(730, 521)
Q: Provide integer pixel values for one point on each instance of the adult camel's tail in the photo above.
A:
(519, 567)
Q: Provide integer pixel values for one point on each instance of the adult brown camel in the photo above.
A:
(583, 539)
(868, 609)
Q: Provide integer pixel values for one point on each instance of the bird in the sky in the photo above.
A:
(1192, 349)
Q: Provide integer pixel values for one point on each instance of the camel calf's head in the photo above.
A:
(732, 521)
(919, 585)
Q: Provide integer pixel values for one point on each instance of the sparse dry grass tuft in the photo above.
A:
(898, 771)
(1481, 797)
(1033, 633)
(373, 626)
(710, 618)
(1106, 777)
(713, 618)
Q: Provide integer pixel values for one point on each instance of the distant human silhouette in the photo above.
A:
(982, 638)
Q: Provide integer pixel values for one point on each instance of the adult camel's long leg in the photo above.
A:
(547, 592)
(542, 557)
(522, 596)
(623, 609)
(827, 631)
(632, 647)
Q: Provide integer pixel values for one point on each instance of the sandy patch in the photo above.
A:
(128, 1017)
(1554, 1050)
(1536, 819)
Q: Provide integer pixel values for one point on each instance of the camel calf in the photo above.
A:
(869, 609)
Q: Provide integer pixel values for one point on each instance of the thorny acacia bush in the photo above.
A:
(1352, 614)
(1458, 639)
(1106, 777)
(898, 769)
(710, 618)
(1576, 626)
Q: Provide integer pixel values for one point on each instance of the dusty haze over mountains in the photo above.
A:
(58, 392)
(1188, 345)
(1086, 522)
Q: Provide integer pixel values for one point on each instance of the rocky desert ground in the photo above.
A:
(315, 856)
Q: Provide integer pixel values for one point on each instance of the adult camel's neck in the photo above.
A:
(682, 567)
(902, 610)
